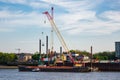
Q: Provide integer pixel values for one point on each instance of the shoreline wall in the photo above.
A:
(8, 67)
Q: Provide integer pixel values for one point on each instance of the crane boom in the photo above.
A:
(50, 18)
(52, 38)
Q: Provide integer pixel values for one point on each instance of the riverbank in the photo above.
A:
(8, 67)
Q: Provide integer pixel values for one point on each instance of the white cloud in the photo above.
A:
(111, 15)
(75, 17)
(33, 3)
(80, 16)
(70, 5)
(38, 5)
(92, 24)
(15, 1)
(75, 5)
(11, 20)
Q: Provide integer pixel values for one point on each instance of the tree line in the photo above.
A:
(106, 55)
(7, 57)
(11, 57)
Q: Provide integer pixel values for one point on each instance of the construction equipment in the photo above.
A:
(54, 27)
(52, 35)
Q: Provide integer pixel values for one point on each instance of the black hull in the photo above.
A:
(53, 69)
(105, 66)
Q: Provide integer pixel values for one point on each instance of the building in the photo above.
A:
(117, 49)
(23, 57)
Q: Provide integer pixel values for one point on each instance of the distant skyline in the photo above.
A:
(82, 23)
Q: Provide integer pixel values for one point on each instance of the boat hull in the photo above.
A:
(53, 69)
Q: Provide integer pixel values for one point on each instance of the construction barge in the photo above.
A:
(105, 66)
(53, 69)
(59, 67)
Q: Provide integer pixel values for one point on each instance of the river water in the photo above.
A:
(14, 74)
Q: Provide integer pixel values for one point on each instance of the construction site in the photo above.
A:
(64, 61)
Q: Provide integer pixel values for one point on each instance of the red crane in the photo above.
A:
(54, 27)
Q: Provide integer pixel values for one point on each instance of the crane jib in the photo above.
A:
(50, 18)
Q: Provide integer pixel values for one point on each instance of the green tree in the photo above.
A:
(36, 56)
(104, 55)
(80, 52)
(7, 57)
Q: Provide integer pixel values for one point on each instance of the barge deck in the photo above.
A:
(53, 69)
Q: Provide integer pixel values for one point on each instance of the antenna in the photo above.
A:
(52, 35)
(42, 40)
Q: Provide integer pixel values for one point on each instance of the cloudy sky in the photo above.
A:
(82, 23)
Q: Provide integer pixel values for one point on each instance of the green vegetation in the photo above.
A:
(36, 56)
(11, 57)
(7, 57)
(100, 55)
(80, 52)
(104, 56)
